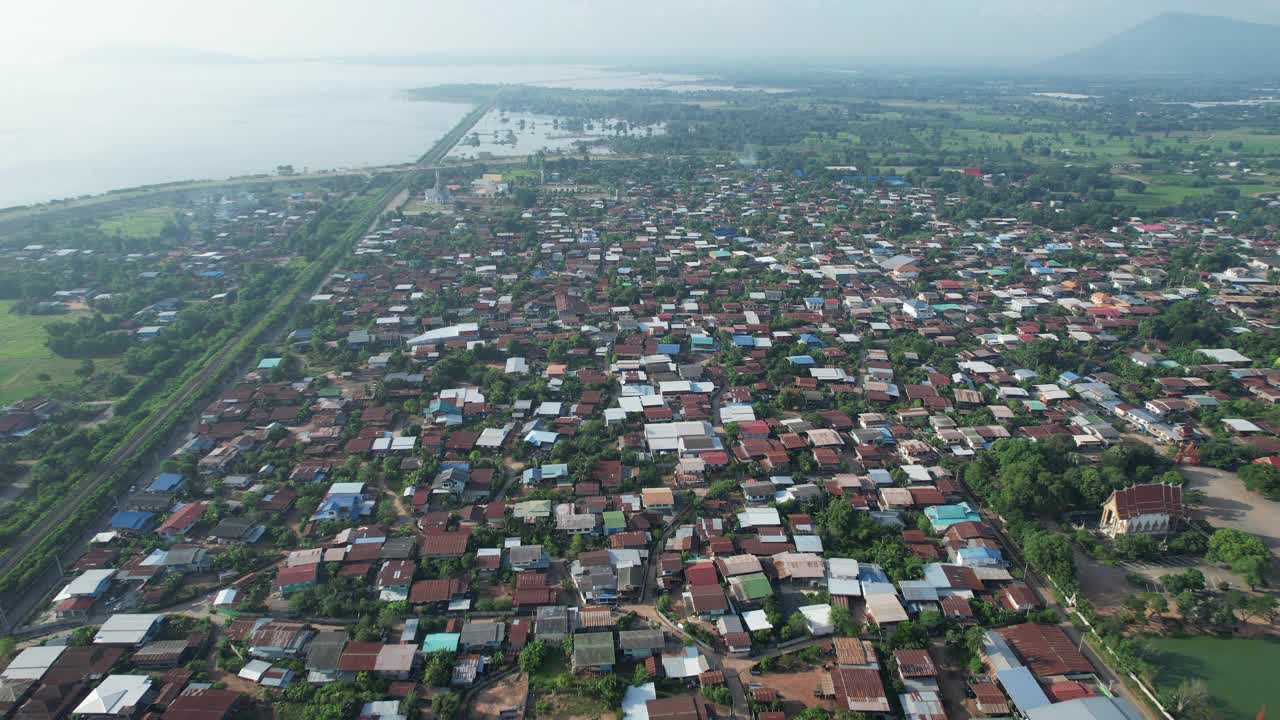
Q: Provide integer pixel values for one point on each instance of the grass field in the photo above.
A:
(138, 224)
(1240, 672)
(23, 355)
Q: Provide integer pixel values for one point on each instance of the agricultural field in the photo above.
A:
(138, 224)
(1239, 671)
(24, 357)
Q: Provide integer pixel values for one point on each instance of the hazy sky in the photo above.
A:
(890, 29)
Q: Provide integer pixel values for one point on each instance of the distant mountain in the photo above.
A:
(158, 55)
(1181, 43)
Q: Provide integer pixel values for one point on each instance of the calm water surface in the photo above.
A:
(73, 129)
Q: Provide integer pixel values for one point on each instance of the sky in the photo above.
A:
(927, 30)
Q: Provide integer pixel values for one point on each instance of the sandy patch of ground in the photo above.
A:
(1227, 503)
(508, 693)
(796, 690)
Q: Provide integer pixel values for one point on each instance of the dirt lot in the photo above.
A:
(795, 689)
(509, 693)
(1107, 586)
(1228, 504)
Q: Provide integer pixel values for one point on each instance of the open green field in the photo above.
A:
(1241, 673)
(138, 224)
(23, 355)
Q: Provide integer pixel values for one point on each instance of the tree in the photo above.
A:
(439, 670)
(1179, 583)
(1050, 553)
(1257, 605)
(797, 626)
(1262, 479)
(1193, 700)
(842, 622)
(446, 706)
(1246, 554)
(664, 604)
(531, 656)
(392, 613)
(1253, 569)
(8, 648)
(83, 635)
(1222, 454)
(1157, 603)
(640, 676)
(1136, 547)
(718, 694)
(1136, 604)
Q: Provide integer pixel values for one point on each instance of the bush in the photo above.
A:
(718, 694)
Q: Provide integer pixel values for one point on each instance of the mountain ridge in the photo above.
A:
(1178, 43)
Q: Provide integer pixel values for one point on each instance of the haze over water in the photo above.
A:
(71, 129)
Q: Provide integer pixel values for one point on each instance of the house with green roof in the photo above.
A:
(750, 589)
(942, 517)
(594, 651)
(615, 521)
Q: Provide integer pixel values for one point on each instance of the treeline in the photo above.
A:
(1022, 479)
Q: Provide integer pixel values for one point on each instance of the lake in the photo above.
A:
(74, 129)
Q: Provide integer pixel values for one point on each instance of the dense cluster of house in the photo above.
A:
(751, 364)
(236, 230)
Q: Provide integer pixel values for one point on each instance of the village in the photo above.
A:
(720, 442)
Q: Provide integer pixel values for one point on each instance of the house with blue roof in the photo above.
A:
(132, 521)
(870, 573)
(166, 482)
(979, 556)
(744, 341)
(542, 438)
(339, 507)
(811, 339)
(668, 348)
(1023, 688)
(801, 360)
(942, 517)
